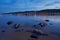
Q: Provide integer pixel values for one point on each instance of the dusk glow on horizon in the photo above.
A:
(27, 5)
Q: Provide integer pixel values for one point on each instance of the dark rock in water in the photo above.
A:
(47, 20)
(34, 36)
(34, 25)
(9, 22)
(43, 24)
(16, 26)
(3, 30)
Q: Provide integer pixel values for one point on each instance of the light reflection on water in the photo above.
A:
(29, 21)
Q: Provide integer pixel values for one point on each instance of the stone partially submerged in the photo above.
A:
(42, 24)
(16, 26)
(47, 20)
(3, 30)
(36, 33)
(9, 22)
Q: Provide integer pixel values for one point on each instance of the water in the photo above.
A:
(52, 27)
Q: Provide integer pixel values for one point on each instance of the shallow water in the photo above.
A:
(52, 27)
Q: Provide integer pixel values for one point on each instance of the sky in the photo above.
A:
(7, 6)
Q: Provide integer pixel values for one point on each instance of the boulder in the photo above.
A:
(43, 24)
(16, 26)
(47, 20)
(9, 22)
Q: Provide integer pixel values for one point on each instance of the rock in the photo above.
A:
(16, 26)
(3, 30)
(9, 22)
(43, 24)
(47, 20)
(34, 25)
(37, 31)
(33, 36)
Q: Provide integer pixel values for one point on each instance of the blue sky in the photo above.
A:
(27, 5)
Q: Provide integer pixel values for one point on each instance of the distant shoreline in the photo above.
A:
(46, 12)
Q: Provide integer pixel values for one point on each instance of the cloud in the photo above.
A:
(24, 5)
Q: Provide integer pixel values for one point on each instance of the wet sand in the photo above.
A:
(24, 35)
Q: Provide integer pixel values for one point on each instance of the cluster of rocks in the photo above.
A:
(36, 33)
(16, 26)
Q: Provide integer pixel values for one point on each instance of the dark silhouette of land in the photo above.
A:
(45, 12)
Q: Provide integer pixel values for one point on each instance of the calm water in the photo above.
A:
(52, 27)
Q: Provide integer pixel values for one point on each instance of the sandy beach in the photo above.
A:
(24, 35)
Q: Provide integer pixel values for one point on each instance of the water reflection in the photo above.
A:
(27, 21)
